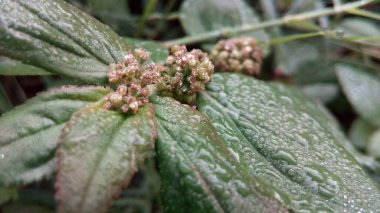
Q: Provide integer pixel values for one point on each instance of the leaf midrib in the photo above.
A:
(225, 110)
(98, 161)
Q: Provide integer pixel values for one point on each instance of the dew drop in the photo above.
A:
(285, 156)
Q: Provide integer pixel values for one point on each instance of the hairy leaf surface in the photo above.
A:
(58, 38)
(99, 153)
(198, 172)
(29, 133)
(15, 67)
(289, 143)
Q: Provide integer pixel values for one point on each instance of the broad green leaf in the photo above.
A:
(200, 16)
(290, 56)
(99, 153)
(290, 144)
(362, 90)
(323, 92)
(51, 81)
(142, 193)
(8, 193)
(58, 38)
(360, 27)
(158, 53)
(198, 172)
(360, 133)
(301, 6)
(315, 71)
(374, 145)
(110, 11)
(14, 67)
(29, 133)
(5, 103)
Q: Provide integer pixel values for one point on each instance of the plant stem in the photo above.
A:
(266, 24)
(364, 13)
(147, 11)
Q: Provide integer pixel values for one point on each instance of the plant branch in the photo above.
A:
(270, 23)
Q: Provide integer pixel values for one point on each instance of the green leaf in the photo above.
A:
(315, 71)
(58, 38)
(114, 13)
(199, 16)
(301, 52)
(29, 133)
(360, 133)
(109, 10)
(362, 90)
(374, 145)
(158, 53)
(198, 172)
(301, 6)
(99, 153)
(360, 27)
(290, 143)
(13, 67)
(8, 193)
(5, 103)
(323, 92)
(143, 192)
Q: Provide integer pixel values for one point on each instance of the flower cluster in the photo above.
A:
(238, 55)
(132, 77)
(184, 74)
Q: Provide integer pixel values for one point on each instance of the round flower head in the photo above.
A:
(186, 73)
(238, 55)
(132, 77)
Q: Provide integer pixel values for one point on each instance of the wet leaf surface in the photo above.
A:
(29, 133)
(57, 38)
(289, 143)
(100, 150)
(199, 173)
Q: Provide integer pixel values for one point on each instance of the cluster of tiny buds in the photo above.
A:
(238, 55)
(132, 77)
(186, 73)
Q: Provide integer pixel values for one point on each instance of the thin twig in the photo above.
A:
(271, 23)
